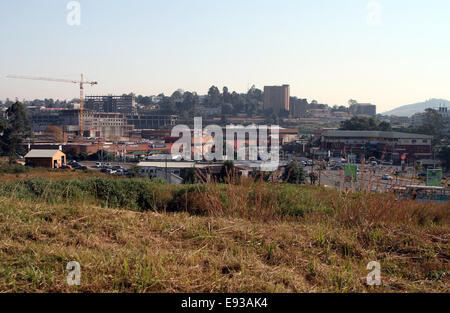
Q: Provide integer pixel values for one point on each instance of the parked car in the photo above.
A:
(67, 167)
(422, 175)
(386, 177)
(98, 165)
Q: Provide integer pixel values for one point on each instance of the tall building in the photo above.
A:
(298, 107)
(116, 104)
(363, 109)
(276, 98)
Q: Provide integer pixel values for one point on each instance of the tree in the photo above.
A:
(312, 178)
(190, 177)
(433, 124)
(294, 174)
(18, 127)
(226, 172)
(54, 132)
(365, 123)
(385, 126)
(213, 96)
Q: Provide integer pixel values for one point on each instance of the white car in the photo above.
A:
(387, 177)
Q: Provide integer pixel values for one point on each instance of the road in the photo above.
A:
(91, 164)
(366, 180)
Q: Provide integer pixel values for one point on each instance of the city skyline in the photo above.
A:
(388, 54)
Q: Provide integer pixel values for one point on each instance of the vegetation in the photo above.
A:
(294, 173)
(365, 123)
(16, 128)
(137, 235)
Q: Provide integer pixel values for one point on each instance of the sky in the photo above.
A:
(389, 53)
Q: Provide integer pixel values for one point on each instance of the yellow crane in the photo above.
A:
(80, 82)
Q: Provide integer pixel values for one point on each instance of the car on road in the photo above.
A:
(117, 167)
(98, 165)
(386, 177)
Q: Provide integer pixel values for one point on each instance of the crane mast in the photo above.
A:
(80, 82)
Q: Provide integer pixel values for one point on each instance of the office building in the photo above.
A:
(277, 98)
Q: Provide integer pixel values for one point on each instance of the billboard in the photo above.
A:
(434, 177)
(350, 171)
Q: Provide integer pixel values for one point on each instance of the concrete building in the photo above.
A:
(298, 107)
(363, 109)
(417, 119)
(386, 145)
(277, 98)
(107, 125)
(45, 158)
(149, 121)
(112, 104)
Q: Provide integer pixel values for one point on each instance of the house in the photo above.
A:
(45, 158)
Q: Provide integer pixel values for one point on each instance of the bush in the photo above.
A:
(13, 168)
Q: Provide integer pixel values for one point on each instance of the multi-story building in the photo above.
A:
(122, 104)
(277, 98)
(102, 124)
(385, 145)
(417, 119)
(107, 125)
(363, 109)
(148, 121)
(298, 107)
(445, 114)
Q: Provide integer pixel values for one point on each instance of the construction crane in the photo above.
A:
(80, 82)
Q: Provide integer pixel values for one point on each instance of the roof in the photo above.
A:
(35, 153)
(372, 134)
(168, 164)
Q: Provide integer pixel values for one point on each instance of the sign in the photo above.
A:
(434, 177)
(350, 171)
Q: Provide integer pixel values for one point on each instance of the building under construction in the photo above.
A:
(121, 104)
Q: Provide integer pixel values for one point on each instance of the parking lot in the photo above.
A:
(370, 178)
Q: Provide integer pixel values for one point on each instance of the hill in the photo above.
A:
(410, 109)
(141, 236)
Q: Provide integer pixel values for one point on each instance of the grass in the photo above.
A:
(134, 235)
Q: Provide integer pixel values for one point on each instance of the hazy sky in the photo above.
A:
(326, 50)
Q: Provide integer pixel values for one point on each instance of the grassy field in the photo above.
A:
(135, 235)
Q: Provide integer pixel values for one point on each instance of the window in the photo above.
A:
(425, 141)
(414, 141)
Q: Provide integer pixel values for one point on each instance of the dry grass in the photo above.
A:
(49, 174)
(243, 237)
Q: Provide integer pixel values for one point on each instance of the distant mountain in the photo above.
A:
(410, 109)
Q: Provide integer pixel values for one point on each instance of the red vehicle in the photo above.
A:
(67, 167)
